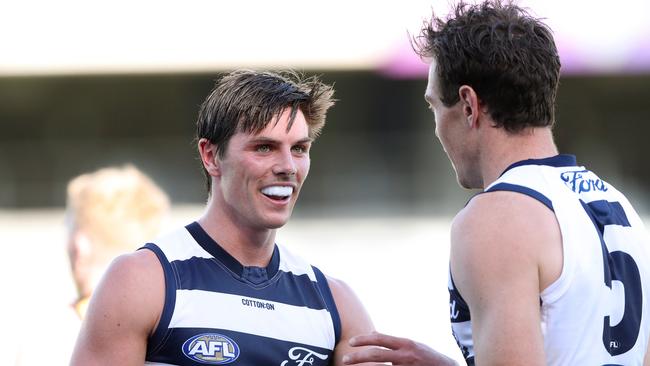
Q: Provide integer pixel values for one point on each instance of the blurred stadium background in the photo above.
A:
(89, 84)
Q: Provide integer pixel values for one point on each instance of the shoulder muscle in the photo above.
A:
(123, 312)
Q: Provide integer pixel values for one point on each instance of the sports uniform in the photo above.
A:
(218, 311)
(597, 312)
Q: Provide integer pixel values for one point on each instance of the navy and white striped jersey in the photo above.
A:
(598, 311)
(218, 311)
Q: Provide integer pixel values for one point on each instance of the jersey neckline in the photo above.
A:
(556, 161)
(252, 274)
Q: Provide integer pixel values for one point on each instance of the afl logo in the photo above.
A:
(211, 348)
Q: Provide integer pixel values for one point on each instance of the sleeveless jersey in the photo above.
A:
(597, 312)
(218, 311)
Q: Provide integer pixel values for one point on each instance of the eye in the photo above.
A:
(263, 148)
(300, 149)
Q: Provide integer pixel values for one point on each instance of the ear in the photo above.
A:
(470, 104)
(209, 156)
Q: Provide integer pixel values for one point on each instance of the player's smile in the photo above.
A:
(279, 194)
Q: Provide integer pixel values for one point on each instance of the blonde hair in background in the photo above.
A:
(117, 208)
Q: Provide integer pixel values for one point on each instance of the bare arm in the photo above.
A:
(354, 318)
(505, 249)
(123, 312)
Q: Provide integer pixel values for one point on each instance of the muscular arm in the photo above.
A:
(354, 318)
(123, 312)
(505, 249)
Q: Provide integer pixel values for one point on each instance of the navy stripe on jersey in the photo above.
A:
(200, 274)
(248, 347)
(523, 190)
(608, 213)
(603, 213)
(199, 324)
(554, 161)
(459, 311)
(161, 332)
(618, 266)
(326, 293)
(255, 275)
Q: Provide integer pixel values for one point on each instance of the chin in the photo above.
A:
(276, 222)
(468, 183)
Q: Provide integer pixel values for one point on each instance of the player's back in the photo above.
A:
(598, 311)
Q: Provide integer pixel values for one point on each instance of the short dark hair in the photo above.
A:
(507, 56)
(248, 100)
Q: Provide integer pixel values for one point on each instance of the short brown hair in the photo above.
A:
(507, 56)
(247, 101)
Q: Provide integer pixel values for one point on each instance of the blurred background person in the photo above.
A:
(108, 212)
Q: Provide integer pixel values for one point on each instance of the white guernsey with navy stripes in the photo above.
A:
(218, 311)
(598, 311)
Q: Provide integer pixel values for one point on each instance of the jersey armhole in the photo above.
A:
(324, 288)
(159, 337)
(523, 190)
(557, 288)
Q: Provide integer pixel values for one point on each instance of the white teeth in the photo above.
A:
(278, 191)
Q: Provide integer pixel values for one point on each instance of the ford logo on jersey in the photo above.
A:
(211, 349)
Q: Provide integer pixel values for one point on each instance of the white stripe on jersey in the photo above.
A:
(294, 264)
(296, 324)
(175, 244)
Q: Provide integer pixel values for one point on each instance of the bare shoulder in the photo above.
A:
(139, 266)
(123, 312)
(501, 234)
(347, 302)
(135, 283)
(496, 217)
(505, 243)
(354, 318)
(338, 286)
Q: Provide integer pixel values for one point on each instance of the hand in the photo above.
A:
(397, 351)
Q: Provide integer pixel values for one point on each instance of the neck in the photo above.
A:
(250, 246)
(502, 149)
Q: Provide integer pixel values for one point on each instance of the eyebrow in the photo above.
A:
(267, 140)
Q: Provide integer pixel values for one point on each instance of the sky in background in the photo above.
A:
(72, 36)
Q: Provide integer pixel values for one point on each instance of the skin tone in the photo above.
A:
(127, 305)
(504, 242)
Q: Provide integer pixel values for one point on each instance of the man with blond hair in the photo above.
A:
(109, 212)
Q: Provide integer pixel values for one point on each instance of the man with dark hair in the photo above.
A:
(220, 291)
(549, 265)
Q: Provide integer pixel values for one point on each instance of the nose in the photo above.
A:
(285, 164)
